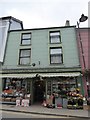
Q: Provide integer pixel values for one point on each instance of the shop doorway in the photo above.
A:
(39, 91)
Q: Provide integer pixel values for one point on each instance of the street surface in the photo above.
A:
(9, 114)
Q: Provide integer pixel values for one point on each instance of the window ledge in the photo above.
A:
(25, 45)
(21, 65)
(56, 43)
(56, 64)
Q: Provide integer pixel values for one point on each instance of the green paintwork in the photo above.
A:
(40, 48)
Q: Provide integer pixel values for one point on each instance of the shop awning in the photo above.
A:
(17, 75)
(74, 74)
(32, 75)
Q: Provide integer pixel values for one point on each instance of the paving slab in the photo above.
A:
(39, 109)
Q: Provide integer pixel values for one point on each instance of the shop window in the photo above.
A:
(15, 89)
(55, 37)
(28, 86)
(56, 55)
(8, 83)
(26, 39)
(62, 87)
(16, 85)
(24, 57)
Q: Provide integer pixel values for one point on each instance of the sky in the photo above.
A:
(45, 13)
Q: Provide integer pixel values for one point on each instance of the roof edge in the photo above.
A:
(44, 28)
(10, 17)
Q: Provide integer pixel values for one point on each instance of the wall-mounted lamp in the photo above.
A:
(83, 18)
(33, 64)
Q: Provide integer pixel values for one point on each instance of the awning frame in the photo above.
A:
(33, 75)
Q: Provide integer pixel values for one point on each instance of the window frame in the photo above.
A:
(20, 57)
(27, 39)
(59, 36)
(61, 55)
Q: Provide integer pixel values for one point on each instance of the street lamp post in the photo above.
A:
(82, 19)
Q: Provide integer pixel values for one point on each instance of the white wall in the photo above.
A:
(4, 25)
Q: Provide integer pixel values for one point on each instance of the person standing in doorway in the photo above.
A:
(53, 100)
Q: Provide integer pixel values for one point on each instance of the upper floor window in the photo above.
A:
(26, 39)
(24, 56)
(56, 55)
(55, 37)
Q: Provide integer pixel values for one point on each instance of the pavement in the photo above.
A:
(39, 109)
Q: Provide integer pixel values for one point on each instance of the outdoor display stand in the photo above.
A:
(75, 100)
(75, 103)
(10, 97)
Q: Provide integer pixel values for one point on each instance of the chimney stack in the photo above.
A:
(67, 23)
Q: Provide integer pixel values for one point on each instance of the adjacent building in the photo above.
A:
(89, 14)
(83, 38)
(6, 24)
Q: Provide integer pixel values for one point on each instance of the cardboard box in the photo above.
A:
(86, 107)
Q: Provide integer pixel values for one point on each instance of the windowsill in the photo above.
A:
(56, 43)
(25, 44)
(55, 64)
(23, 65)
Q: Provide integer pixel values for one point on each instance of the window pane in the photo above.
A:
(56, 51)
(54, 33)
(56, 59)
(26, 42)
(25, 61)
(25, 53)
(26, 36)
(55, 39)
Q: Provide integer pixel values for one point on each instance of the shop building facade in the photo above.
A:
(42, 62)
